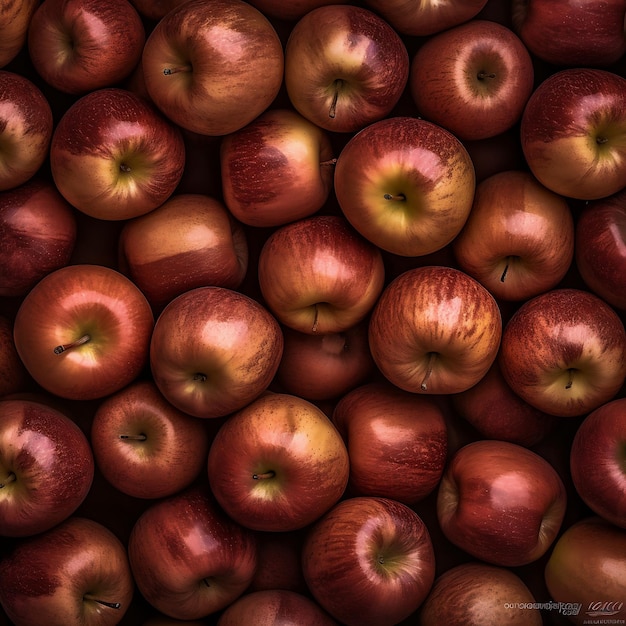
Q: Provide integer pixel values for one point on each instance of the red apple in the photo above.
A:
(564, 352)
(405, 184)
(317, 275)
(13, 375)
(369, 561)
(501, 503)
(214, 350)
(278, 464)
(15, 18)
(345, 67)
(213, 67)
(83, 332)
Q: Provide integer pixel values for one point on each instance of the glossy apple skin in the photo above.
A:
(276, 169)
(475, 594)
(169, 457)
(435, 330)
(52, 462)
(345, 67)
(421, 163)
(113, 156)
(369, 561)
(214, 350)
(578, 356)
(473, 79)
(294, 441)
(397, 442)
(14, 21)
(79, 301)
(597, 461)
(189, 560)
(26, 129)
(237, 60)
(588, 566)
(317, 275)
(601, 248)
(13, 375)
(501, 503)
(77, 46)
(190, 241)
(518, 240)
(38, 228)
(573, 133)
(572, 33)
(45, 578)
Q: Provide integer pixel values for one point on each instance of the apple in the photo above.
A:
(473, 79)
(405, 184)
(475, 594)
(278, 464)
(600, 248)
(597, 461)
(572, 32)
(213, 67)
(144, 446)
(276, 169)
(317, 275)
(13, 375)
(190, 241)
(14, 21)
(564, 352)
(518, 240)
(26, 129)
(214, 350)
(501, 503)
(369, 561)
(83, 331)
(397, 442)
(435, 330)
(77, 571)
(38, 228)
(573, 133)
(78, 46)
(345, 67)
(188, 559)
(46, 467)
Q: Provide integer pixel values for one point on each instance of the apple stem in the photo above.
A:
(505, 272)
(111, 605)
(8, 480)
(570, 379)
(168, 71)
(315, 319)
(429, 370)
(140, 437)
(333, 105)
(66, 346)
(395, 196)
(264, 475)
(482, 75)
(328, 162)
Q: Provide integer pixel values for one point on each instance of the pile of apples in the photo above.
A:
(312, 313)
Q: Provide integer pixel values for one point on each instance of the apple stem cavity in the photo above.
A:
(168, 71)
(111, 605)
(429, 370)
(74, 344)
(8, 480)
(332, 112)
(264, 475)
(140, 437)
(399, 197)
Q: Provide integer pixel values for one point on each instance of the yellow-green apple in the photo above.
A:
(77, 46)
(213, 67)
(83, 331)
(13, 375)
(587, 567)
(369, 561)
(600, 249)
(188, 559)
(397, 442)
(345, 67)
(190, 241)
(114, 156)
(501, 503)
(276, 169)
(15, 18)
(278, 464)
(75, 573)
(26, 129)
(214, 350)
(573, 132)
(405, 184)
(572, 32)
(318, 275)
(477, 593)
(518, 240)
(435, 330)
(598, 461)
(38, 228)
(144, 446)
(473, 79)
(154, 10)
(46, 467)
(564, 352)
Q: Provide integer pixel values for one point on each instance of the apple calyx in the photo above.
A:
(139, 437)
(264, 475)
(429, 370)
(168, 71)
(110, 605)
(74, 344)
(482, 75)
(11, 477)
(200, 377)
(332, 111)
